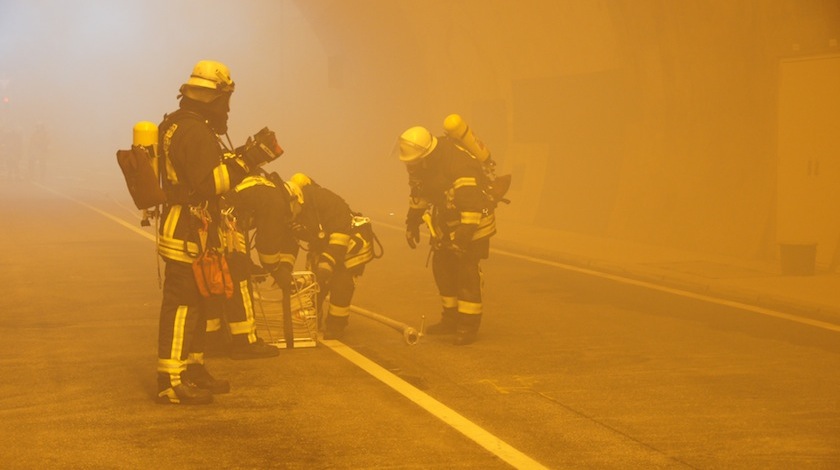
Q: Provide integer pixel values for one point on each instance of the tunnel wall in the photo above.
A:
(644, 120)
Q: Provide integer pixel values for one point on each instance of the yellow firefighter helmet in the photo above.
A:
(296, 199)
(208, 81)
(300, 180)
(294, 191)
(415, 143)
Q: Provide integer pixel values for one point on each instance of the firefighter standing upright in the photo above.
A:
(448, 193)
(196, 172)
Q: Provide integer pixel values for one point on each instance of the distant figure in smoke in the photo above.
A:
(446, 192)
(39, 149)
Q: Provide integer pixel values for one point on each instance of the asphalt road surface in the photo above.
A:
(570, 370)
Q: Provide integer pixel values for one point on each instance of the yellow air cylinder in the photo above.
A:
(146, 135)
(457, 128)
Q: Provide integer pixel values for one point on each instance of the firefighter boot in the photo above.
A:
(197, 375)
(467, 329)
(185, 393)
(334, 326)
(447, 324)
(241, 349)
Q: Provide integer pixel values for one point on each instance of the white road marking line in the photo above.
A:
(466, 427)
(100, 212)
(684, 293)
(449, 416)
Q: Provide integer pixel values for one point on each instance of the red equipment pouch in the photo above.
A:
(212, 274)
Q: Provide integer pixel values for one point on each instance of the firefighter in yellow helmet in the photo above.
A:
(196, 170)
(258, 204)
(445, 193)
(250, 205)
(340, 243)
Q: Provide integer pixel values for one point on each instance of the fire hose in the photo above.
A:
(410, 335)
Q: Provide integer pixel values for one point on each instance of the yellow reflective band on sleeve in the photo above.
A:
(339, 239)
(449, 302)
(465, 181)
(221, 178)
(470, 218)
(336, 311)
(469, 308)
(254, 180)
(486, 227)
(329, 258)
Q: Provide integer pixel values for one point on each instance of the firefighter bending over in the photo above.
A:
(340, 243)
(447, 193)
(260, 204)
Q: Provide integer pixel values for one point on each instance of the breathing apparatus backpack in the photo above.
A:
(139, 166)
(494, 187)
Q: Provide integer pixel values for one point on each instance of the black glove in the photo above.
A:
(282, 276)
(413, 221)
(412, 235)
(260, 149)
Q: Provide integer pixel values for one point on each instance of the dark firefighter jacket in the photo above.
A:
(260, 205)
(450, 183)
(195, 175)
(334, 233)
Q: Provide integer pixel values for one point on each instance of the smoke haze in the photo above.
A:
(645, 120)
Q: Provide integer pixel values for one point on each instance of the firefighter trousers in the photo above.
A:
(341, 288)
(458, 279)
(183, 322)
(237, 312)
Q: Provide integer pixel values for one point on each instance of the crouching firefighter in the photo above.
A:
(194, 174)
(340, 243)
(260, 204)
(231, 326)
(447, 193)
